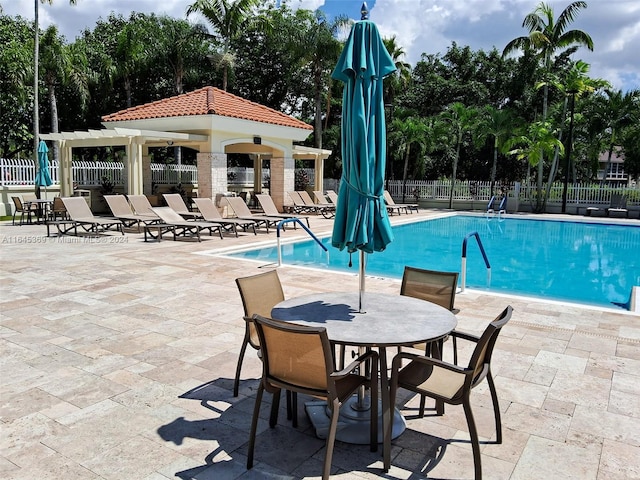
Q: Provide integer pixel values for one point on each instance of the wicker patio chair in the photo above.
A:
(300, 359)
(451, 383)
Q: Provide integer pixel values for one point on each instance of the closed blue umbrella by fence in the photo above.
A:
(361, 221)
(43, 176)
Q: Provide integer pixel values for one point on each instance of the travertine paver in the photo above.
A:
(117, 360)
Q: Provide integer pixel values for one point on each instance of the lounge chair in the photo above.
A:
(175, 201)
(391, 204)
(242, 212)
(140, 204)
(269, 208)
(333, 197)
(173, 222)
(81, 215)
(210, 213)
(121, 209)
(298, 204)
(618, 204)
(327, 210)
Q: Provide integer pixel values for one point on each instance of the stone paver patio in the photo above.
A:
(117, 362)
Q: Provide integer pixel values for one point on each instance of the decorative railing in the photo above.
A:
(87, 173)
(15, 172)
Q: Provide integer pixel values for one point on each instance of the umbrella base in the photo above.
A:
(353, 423)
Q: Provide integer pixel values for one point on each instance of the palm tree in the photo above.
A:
(407, 133)
(547, 36)
(461, 120)
(62, 65)
(539, 139)
(229, 18)
(614, 112)
(319, 49)
(499, 125)
(36, 55)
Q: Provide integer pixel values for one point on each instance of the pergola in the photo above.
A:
(212, 122)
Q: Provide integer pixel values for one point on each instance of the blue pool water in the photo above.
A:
(589, 263)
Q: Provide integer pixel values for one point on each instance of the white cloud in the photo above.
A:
(420, 26)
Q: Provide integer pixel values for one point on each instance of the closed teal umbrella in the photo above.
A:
(43, 177)
(361, 221)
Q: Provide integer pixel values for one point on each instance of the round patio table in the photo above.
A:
(389, 321)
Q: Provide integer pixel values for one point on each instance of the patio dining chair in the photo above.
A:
(300, 359)
(450, 383)
(436, 287)
(22, 209)
(259, 294)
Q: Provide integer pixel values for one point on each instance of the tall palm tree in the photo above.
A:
(461, 120)
(64, 65)
(548, 35)
(319, 49)
(499, 124)
(229, 18)
(408, 132)
(36, 55)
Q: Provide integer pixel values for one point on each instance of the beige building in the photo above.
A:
(211, 121)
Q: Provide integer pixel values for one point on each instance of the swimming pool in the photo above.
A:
(589, 263)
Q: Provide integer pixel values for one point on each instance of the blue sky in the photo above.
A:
(420, 26)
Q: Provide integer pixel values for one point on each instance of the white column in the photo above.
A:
(65, 171)
(318, 183)
(133, 170)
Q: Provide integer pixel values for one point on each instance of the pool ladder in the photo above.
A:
(296, 220)
(464, 259)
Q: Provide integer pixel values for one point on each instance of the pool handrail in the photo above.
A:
(464, 259)
(296, 220)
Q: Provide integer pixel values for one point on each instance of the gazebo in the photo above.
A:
(213, 122)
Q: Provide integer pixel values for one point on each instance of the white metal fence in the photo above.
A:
(87, 173)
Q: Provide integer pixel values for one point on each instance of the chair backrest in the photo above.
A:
(320, 197)
(58, 205)
(207, 208)
(175, 201)
(295, 355)
(140, 204)
(296, 199)
(17, 203)
(119, 205)
(490, 204)
(618, 201)
(333, 196)
(266, 202)
(388, 198)
(306, 198)
(430, 285)
(481, 357)
(77, 207)
(168, 215)
(238, 206)
(260, 293)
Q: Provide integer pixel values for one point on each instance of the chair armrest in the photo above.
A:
(427, 361)
(465, 336)
(371, 355)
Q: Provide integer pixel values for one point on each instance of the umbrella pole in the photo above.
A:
(363, 266)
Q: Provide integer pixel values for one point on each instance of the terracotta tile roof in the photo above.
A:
(207, 101)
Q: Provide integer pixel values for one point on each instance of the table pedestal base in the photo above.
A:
(353, 424)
